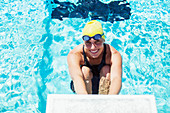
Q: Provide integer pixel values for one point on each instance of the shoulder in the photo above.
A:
(75, 55)
(114, 54)
(77, 50)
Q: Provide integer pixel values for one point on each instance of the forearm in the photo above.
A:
(79, 86)
(115, 86)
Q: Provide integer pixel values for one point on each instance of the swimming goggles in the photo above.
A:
(95, 37)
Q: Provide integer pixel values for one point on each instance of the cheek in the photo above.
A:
(87, 46)
(101, 45)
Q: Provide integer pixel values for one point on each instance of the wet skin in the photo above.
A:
(94, 48)
(82, 76)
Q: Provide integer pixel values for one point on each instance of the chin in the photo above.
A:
(94, 56)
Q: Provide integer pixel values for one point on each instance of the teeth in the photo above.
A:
(94, 51)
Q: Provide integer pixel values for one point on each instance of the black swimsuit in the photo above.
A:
(95, 69)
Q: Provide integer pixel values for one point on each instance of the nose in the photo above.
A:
(93, 46)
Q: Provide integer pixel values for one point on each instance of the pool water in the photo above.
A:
(34, 48)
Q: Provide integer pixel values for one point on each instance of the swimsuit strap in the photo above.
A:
(103, 59)
(86, 62)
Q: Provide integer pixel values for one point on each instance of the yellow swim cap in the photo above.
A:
(92, 28)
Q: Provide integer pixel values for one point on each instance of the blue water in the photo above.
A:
(33, 51)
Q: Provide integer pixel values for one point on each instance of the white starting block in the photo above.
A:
(57, 103)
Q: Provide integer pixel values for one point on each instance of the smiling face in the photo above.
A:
(94, 38)
(93, 47)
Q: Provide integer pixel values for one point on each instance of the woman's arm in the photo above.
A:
(116, 73)
(73, 60)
